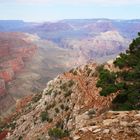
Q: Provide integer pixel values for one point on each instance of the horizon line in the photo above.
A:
(57, 20)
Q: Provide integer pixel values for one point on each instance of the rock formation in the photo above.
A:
(71, 102)
(15, 50)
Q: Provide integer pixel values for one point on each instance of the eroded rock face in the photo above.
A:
(15, 50)
(98, 48)
(7, 74)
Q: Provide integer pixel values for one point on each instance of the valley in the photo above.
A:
(31, 54)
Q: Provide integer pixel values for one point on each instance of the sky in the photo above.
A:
(52, 10)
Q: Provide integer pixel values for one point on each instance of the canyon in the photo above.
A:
(32, 54)
(48, 80)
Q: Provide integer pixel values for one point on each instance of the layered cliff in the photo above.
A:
(15, 50)
(100, 48)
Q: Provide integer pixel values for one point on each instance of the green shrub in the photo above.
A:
(44, 116)
(121, 61)
(108, 90)
(106, 82)
(124, 106)
(57, 133)
(121, 98)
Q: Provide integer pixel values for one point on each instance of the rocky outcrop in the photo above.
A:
(71, 102)
(112, 125)
(72, 99)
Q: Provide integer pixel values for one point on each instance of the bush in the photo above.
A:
(106, 82)
(121, 61)
(44, 116)
(56, 110)
(108, 90)
(124, 106)
(70, 83)
(121, 98)
(120, 85)
(62, 106)
(57, 133)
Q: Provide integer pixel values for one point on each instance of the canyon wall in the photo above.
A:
(15, 50)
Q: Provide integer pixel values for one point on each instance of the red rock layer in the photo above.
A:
(7, 74)
(89, 96)
(4, 51)
(14, 50)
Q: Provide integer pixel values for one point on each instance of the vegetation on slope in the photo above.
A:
(129, 79)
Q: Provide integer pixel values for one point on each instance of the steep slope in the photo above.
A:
(48, 61)
(70, 106)
(15, 50)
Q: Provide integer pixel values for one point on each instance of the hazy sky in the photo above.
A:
(45, 10)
